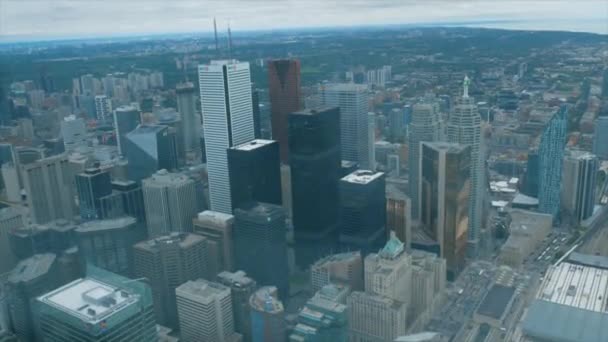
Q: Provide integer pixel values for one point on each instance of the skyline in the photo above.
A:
(64, 19)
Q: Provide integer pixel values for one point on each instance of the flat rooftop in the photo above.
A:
(182, 239)
(89, 300)
(265, 300)
(166, 178)
(110, 224)
(340, 257)
(346, 87)
(238, 278)
(448, 147)
(362, 177)
(202, 290)
(253, 144)
(496, 301)
(32, 268)
(578, 286)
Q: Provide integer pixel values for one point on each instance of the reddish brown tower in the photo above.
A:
(284, 92)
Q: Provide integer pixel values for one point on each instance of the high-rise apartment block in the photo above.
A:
(314, 153)
(260, 244)
(170, 202)
(91, 186)
(73, 132)
(445, 187)
(551, 156)
(103, 108)
(191, 121)
(464, 127)
(343, 268)
(227, 121)
(352, 99)
(167, 262)
(49, 187)
(600, 137)
(126, 119)
(109, 243)
(255, 172)
(241, 289)
(150, 148)
(579, 183)
(425, 126)
(363, 211)
(217, 228)
(108, 308)
(285, 98)
(205, 312)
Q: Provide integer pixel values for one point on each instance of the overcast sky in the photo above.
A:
(76, 18)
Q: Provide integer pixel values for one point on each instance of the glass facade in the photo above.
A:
(551, 156)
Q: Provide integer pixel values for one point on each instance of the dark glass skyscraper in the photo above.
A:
(126, 119)
(314, 145)
(92, 185)
(260, 244)
(551, 157)
(285, 98)
(363, 211)
(150, 148)
(257, 119)
(126, 199)
(532, 173)
(255, 172)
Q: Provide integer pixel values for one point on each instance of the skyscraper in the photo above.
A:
(352, 99)
(532, 180)
(267, 316)
(126, 199)
(285, 98)
(579, 182)
(170, 203)
(375, 318)
(73, 132)
(31, 277)
(109, 243)
(551, 156)
(103, 108)
(11, 218)
(362, 211)
(425, 126)
(399, 215)
(342, 269)
(227, 121)
(257, 119)
(241, 289)
(191, 121)
(314, 153)
(98, 308)
(464, 127)
(600, 137)
(260, 244)
(321, 319)
(49, 187)
(126, 119)
(205, 312)
(217, 229)
(167, 262)
(445, 187)
(92, 185)
(150, 148)
(255, 172)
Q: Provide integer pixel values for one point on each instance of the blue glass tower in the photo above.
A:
(551, 156)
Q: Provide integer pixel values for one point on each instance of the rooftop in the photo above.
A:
(182, 239)
(350, 87)
(145, 129)
(32, 268)
(340, 257)
(362, 177)
(238, 278)
(126, 108)
(202, 290)
(393, 248)
(110, 224)
(165, 178)
(253, 144)
(265, 300)
(496, 301)
(314, 111)
(596, 261)
(448, 147)
(214, 217)
(89, 300)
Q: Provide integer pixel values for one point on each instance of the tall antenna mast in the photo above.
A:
(217, 47)
(229, 41)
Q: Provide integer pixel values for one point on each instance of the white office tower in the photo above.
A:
(371, 136)
(374, 318)
(10, 177)
(464, 127)
(425, 126)
(353, 102)
(103, 108)
(388, 273)
(74, 132)
(49, 185)
(170, 202)
(227, 121)
(190, 123)
(205, 312)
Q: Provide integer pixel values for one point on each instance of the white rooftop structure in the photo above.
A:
(89, 300)
(252, 145)
(362, 176)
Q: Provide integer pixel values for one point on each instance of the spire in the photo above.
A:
(217, 48)
(465, 85)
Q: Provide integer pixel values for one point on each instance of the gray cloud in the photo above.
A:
(103, 17)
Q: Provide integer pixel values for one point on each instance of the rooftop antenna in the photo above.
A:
(229, 42)
(217, 47)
